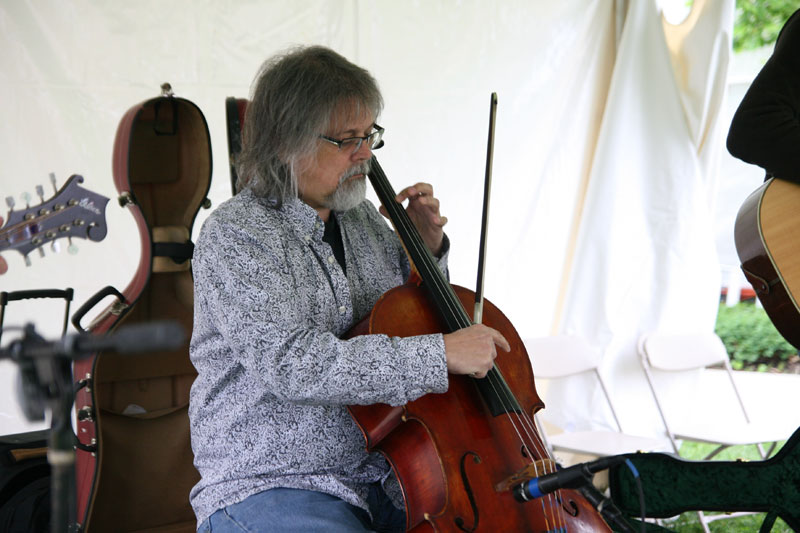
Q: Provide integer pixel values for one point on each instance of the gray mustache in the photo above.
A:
(361, 168)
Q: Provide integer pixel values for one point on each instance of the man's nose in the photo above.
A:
(363, 152)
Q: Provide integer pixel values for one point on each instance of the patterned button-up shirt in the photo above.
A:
(268, 407)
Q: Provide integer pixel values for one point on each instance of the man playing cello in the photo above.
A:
(281, 271)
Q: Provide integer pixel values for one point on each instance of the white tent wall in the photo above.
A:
(646, 258)
(70, 70)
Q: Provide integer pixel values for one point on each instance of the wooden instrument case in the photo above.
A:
(134, 461)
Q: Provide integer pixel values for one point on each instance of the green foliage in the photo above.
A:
(758, 22)
(751, 339)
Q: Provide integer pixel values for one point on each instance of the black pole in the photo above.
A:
(61, 451)
(47, 384)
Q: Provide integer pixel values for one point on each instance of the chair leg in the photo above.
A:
(715, 452)
(771, 449)
(703, 521)
(768, 453)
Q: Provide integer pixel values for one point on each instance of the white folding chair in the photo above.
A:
(560, 356)
(688, 355)
(687, 358)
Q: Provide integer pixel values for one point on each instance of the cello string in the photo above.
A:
(423, 261)
(502, 390)
(519, 420)
(447, 297)
(553, 499)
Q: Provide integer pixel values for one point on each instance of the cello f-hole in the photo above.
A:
(458, 520)
(570, 506)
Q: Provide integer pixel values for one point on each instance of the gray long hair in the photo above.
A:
(293, 99)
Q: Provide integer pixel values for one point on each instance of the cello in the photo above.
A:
(458, 454)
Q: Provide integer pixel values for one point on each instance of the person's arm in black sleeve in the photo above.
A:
(765, 130)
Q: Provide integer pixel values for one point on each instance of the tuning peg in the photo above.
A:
(40, 192)
(53, 181)
(71, 249)
(10, 202)
(27, 261)
(26, 197)
(41, 251)
(55, 246)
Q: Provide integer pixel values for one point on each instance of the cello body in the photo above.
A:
(134, 462)
(449, 451)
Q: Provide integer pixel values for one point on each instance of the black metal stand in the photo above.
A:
(45, 370)
(611, 514)
(46, 379)
(46, 384)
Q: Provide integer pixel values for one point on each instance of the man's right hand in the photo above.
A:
(472, 350)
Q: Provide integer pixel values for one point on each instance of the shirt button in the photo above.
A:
(342, 309)
(331, 259)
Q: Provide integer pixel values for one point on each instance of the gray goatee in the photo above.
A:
(349, 194)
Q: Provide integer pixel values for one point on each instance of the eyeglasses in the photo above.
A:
(353, 144)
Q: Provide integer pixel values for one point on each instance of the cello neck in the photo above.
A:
(494, 388)
(445, 299)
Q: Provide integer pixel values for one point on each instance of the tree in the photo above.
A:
(758, 22)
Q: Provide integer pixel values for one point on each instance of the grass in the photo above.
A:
(690, 523)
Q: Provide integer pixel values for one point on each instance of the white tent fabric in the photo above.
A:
(623, 168)
(645, 255)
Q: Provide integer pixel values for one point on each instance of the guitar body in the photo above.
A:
(134, 465)
(766, 234)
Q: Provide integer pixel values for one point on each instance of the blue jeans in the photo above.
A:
(292, 510)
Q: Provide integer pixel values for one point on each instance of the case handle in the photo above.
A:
(91, 302)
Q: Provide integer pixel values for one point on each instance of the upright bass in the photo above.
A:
(458, 454)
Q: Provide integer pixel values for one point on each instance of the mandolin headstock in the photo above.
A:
(73, 212)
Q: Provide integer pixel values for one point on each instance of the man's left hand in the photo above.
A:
(423, 210)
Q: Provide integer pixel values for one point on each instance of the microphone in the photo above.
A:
(144, 337)
(567, 478)
(44, 369)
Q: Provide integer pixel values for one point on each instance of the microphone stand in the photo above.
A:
(46, 384)
(610, 512)
(46, 376)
